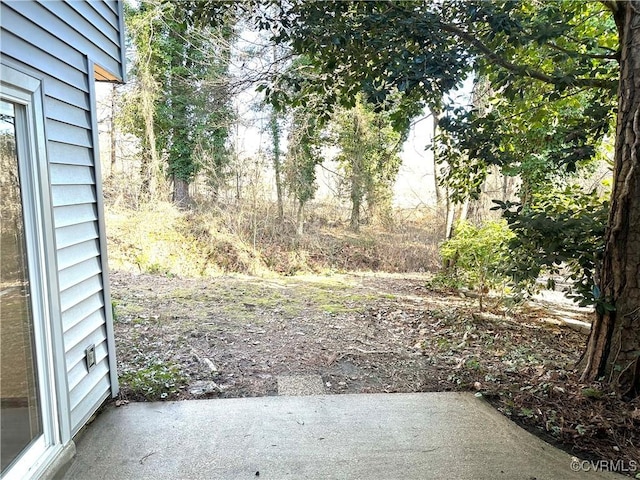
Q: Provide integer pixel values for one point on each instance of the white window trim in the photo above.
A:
(106, 291)
(25, 90)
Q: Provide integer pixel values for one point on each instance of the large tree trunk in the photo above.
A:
(613, 349)
(357, 176)
(277, 166)
(181, 195)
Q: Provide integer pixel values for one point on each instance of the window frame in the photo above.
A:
(26, 93)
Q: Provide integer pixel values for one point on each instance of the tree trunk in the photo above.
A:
(279, 194)
(277, 164)
(357, 176)
(464, 210)
(150, 167)
(300, 219)
(505, 188)
(435, 116)
(354, 222)
(356, 193)
(450, 215)
(613, 348)
(275, 133)
(112, 130)
(145, 173)
(181, 193)
(238, 187)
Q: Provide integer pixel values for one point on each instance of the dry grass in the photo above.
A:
(250, 239)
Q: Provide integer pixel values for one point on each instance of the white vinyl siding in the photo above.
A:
(71, 214)
(64, 22)
(77, 253)
(58, 42)
(77, 294)
(75, 316)
(67, 133)
(76, 337)
(16, 47)
(68, 113)
(66, 154)
(71, 175)
(72, 194)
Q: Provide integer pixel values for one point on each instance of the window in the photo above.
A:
(29, 429)
(20, 405)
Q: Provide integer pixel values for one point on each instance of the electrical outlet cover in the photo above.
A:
(90, 352)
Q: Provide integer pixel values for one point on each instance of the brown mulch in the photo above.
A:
(364, 333)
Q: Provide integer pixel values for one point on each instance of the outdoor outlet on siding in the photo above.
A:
(90, 353)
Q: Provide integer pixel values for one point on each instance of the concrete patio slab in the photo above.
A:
(379, 436)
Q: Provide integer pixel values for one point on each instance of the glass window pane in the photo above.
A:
(20, 413)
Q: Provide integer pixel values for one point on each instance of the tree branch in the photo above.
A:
(603, 56)
(523, 70)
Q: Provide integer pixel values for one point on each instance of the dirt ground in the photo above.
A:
(231, 336)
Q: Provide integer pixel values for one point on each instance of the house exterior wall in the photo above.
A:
(67, 45)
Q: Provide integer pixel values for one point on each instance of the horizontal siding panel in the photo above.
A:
(88, 382)
(105, 11)
(75, 337)
(69, 154)
(112, 4)
(77, 353)
(86, 11)
(75, 234)
(78, 273)
(74, 214)
(77, 314)
(41, 60)
(52, 39)
(77, 253)
(71, 175)
(89, 401)
(65, 19)
(48, 13)
(54, 88)
(77, 371)
(72, 194)
(67, 113)
(35, 35)
(66, 133)
(78, 293)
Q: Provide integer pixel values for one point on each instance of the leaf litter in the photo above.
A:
(232, 336)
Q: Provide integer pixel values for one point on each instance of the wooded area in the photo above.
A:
(553, 97)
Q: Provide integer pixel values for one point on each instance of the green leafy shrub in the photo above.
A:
(476, 255)
(561, 230)
(156, 381)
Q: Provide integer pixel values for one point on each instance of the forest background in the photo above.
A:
(342, 87)
(490, 146)
(220, 150)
